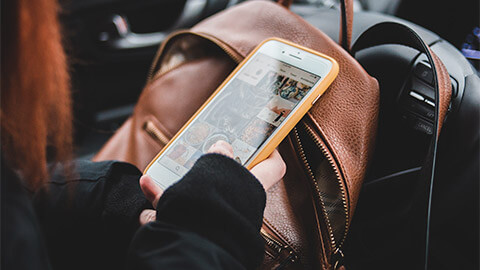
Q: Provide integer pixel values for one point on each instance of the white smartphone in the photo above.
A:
(253, 109)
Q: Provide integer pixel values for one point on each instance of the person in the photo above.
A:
(98, 215)
(213, 217)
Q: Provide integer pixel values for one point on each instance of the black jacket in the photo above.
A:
(208, 220)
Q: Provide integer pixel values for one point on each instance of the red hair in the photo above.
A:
(35, 110)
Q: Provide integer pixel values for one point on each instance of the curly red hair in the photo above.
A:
(35, 110)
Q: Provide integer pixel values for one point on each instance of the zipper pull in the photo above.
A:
(291, 258)
(284, 254)
(155, 132)
(338, 259)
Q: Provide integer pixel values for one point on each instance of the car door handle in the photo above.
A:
(116, 33)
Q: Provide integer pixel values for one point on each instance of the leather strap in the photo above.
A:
(394, 33)
(346, 21)
(346, 24)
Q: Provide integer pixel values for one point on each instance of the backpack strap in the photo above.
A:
(395, 33)
(346, 24)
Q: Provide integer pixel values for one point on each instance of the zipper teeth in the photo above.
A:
(164, 71)
(272, 243)
(278, 247)
(160, 52)
(237, 57)
(312, 176)
(322, 146)
(155, 132)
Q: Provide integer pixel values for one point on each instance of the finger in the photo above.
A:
(147, 215)
(221, 147)
(270, 171)
(151, 190)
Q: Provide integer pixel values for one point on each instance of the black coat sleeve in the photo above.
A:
(22, 242)
(89, 220)
(209, 220)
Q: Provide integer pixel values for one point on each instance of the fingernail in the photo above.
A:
(148, 216)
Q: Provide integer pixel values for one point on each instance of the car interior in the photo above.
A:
(111, 44)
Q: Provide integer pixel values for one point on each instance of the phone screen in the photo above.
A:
(244, 113)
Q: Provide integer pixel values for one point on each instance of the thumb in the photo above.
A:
(147, 215)
(151, 190)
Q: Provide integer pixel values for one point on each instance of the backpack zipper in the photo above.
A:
(279, 249)
(233, 54)
(319, 143)
(149, 126)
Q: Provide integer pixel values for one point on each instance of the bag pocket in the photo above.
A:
(182, 55)
(327, 211)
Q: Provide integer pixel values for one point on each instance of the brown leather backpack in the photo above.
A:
(308, 214)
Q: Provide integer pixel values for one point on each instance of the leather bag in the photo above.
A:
(308, 214)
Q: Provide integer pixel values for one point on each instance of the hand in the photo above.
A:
(268, 172)
(153, 193)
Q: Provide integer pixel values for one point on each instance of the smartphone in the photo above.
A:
(253, 109)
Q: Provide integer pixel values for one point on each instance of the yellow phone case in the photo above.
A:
(286, 127)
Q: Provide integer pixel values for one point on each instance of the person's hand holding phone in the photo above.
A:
(268, 172)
